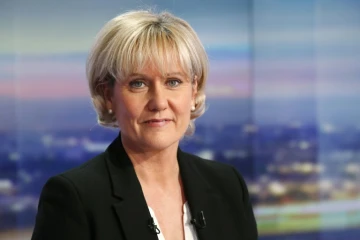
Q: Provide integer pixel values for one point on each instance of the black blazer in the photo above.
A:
(102, 200)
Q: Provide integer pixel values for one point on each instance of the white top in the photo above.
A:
(189, 230)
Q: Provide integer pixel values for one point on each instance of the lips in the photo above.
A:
(157, 120)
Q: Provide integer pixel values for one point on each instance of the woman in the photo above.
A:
(147, 74)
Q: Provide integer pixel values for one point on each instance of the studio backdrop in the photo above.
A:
(283, 99)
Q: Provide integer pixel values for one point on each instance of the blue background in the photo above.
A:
(283, 96)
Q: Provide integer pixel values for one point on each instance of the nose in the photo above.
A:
(157, 99)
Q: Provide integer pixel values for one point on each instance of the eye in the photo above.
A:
(137, 84)
(173, 82)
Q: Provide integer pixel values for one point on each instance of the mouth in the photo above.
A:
(158, 120)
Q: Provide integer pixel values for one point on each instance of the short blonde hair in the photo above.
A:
(128, 41)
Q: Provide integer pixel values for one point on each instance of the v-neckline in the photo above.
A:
(189, 230)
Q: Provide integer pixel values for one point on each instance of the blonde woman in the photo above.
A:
(147, 74)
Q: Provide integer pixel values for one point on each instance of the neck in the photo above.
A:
(158, 167)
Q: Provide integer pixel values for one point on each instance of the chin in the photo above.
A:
(150, 140)
(159, 142)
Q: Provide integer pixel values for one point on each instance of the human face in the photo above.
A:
(153, 110)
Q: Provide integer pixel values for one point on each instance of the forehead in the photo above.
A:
(156, 54)
(165, 69)
(159, 65)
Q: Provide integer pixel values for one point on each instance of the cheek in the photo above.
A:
(184, 105)
(126, 107)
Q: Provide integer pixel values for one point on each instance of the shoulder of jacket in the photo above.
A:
(209, 165)
(88, 169)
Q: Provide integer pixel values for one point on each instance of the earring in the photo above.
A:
(193, 108)
(110, 111)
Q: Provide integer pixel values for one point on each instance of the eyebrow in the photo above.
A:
(176, 73)
(167, 74)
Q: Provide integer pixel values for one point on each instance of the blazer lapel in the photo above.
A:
(202, 197)
(131, 209)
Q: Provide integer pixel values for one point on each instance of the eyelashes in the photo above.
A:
(141, 84)
(136, 84)
(173, 82)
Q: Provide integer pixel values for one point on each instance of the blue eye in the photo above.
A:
(136, 84)
(173, 82)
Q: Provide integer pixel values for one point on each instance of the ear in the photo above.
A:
(194, 91)
(108, 96)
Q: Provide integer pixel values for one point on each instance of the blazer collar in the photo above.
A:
(132, 209)
(202, 197)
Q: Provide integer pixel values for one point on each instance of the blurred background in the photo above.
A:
(283, 104)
